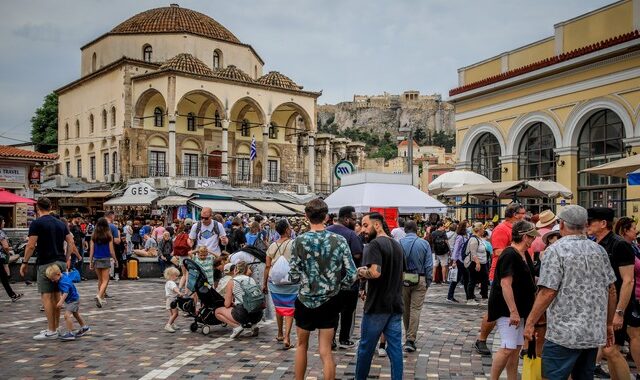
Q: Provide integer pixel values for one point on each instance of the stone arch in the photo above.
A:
(584, 111)
(243, 148)
(308, 122)
(204, 100)
(77, 151)
(91, 147)
(273, 151)
(66, 152)
(522, 124)
(191, 144)
(158, 140)
(241, 107)
(473, 135)
(142, 105)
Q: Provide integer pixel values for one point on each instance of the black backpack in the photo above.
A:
(260, 244)
(440, 243)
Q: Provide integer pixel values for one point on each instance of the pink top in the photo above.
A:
(538, 245)
(637, 273)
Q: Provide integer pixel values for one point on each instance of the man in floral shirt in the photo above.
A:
(321, 261)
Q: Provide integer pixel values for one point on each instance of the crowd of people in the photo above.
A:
(567, 282)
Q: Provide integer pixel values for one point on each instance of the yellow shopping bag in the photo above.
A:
(532, 368)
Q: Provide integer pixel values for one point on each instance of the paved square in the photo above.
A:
(128, 342)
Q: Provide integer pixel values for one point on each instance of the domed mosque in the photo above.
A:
(171, 92)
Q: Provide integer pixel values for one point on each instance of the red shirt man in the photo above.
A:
(501, 235)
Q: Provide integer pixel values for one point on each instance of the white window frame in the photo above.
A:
(106, 161)
(79, 167)
(189, 170)
(92, 167)
(158, 172)
(275, 178)
(67, 166)
(243, 168)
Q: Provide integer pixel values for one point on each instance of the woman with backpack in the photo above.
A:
(276, 280)
(476, 263)
(241, 302)
(460, 244)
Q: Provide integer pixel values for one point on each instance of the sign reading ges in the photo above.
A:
(140, 190)
(342, 168)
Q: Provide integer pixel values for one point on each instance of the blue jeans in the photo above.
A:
(373, 325)
(559, 362)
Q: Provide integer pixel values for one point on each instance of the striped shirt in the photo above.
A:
(207, 267)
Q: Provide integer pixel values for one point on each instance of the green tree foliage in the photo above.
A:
(375, 146)
(444, 139)
(44, 125)
(420, 136)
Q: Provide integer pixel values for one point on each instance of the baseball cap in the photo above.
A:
(601, 213)
(188, 222)
(574, 214)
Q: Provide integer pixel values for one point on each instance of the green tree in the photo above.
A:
(444, 139)
(44, 125)
(419, 136)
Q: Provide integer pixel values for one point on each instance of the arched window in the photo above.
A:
(66, 131)
(244, 128)
(104, 119)
(536, 159)
(77, 128)
(485, 158)
(273, 131)
(91, 124)
(191, 122)
(113, 117)
(216, 119)
(94, 62)
(114, 163)
(147, 52)
(600, 142)
(217, 59)
(158, 117)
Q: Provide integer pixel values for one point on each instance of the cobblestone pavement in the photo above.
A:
(128, 341)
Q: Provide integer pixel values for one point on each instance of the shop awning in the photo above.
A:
(270, 208)
(93, 194)
(219, 205)
(296, 207)
(57, 194)
(617, 168)
(506, 190)
(131, 201)
(7, 197)
(173, 200)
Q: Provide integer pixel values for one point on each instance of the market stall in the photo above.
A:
(15, 209)
(136, 201)
(456, 179)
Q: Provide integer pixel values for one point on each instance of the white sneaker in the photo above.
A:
(382, 352)
(472, 303)
(236, 331)
(175, 327)
(168, 328)
(46, 334)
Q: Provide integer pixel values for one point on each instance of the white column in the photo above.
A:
(265, 153)
(172, 145)
(225, 150)
(311, 157)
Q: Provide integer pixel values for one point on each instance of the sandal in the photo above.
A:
(16, 297)
(286, 346)
(280, 339)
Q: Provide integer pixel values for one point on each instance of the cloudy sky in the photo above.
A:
(340, 47)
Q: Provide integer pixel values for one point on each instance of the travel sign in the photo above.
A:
(342, 168)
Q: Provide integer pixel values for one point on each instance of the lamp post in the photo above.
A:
(407, 129)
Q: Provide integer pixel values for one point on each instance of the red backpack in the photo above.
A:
(181, 245)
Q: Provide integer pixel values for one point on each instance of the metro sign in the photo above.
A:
(343, 168)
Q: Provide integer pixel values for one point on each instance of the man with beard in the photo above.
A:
(383, 264)
(349, 296)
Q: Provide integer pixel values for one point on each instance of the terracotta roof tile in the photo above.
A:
(233, 73)
(13, 152)
(174, 19)
(275, 79)
(187, 63)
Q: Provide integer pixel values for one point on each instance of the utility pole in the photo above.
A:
(411, 154)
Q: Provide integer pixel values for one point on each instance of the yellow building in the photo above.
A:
(172, 93)
(557, 106)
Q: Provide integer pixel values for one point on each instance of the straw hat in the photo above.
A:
(546, 218)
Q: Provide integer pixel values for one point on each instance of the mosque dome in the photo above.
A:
(275, 79)
(174, 19)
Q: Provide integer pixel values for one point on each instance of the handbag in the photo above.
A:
(410, 279)
(532, 365)
(453, 274)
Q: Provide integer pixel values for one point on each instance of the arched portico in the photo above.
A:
(522, 124)
(582, 112)
(146, 113)
(471, 139)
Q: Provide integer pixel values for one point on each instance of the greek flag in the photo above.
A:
(253, 152)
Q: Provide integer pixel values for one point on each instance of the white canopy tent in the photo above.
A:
(366, 190)
(456, 179)
(618, 168)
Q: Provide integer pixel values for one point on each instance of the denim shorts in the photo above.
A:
(558, 362)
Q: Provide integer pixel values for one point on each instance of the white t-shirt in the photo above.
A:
(168, 289)
(207, 236)
(398, 233)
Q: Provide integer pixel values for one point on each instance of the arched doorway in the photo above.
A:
(485, 157)
(536, 161)
(600, 142)
(215, 163)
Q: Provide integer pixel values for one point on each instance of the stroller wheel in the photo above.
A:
(193, 327)
(206, 330)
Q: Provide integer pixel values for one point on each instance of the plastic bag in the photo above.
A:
(279, 273)
(453, 274)
(531, 365)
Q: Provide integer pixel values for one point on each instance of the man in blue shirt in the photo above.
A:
(418, 258)
(349, 297)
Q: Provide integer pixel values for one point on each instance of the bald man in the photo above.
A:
(208, 232)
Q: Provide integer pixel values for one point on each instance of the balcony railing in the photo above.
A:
(182, 170)
(245, 180)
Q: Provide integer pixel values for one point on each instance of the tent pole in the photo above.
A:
(467, 206)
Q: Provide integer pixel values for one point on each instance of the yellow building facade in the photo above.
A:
(172, 93)
(550, 109)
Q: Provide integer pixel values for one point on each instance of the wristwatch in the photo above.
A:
(620, 312)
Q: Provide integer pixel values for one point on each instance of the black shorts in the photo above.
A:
(324, 316)
(243, 317)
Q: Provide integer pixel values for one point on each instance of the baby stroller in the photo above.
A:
(209, 298)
